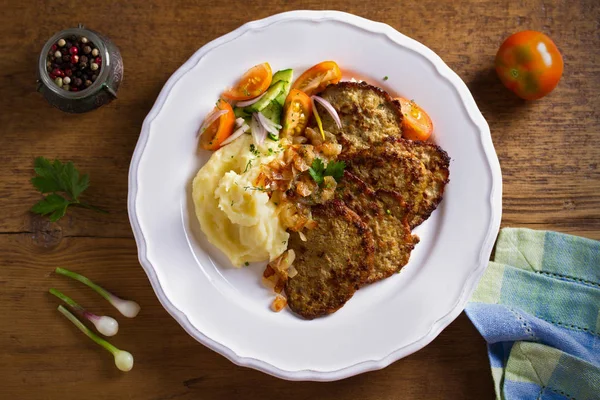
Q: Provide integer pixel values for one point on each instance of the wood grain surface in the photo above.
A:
(548, 151)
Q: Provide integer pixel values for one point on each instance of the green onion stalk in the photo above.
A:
(123, 359)
(126, 307)
(107, 326)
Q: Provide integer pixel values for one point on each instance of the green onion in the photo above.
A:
(123, 359)
(105, 325)
(126, 307)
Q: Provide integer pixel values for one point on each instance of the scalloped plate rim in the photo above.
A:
(475, 117)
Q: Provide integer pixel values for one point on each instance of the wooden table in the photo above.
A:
(548, 151)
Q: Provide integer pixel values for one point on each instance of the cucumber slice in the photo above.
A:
(287, 76)
(270, 95)
(240, 113)
(273, 112)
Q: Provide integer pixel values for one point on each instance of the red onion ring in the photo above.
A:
(329, 108)
(247, 103)
(239, 132)
(269, 125)
(259, 133)
(212, 117)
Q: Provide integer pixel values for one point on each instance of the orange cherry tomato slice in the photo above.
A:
(529, 64)
(297, 111)
(416, 124)
(316, 78)
(220, 129)
(252, 84)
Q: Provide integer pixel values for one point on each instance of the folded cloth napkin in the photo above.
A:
(538, 308)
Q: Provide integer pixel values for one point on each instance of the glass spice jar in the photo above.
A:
(102, 91)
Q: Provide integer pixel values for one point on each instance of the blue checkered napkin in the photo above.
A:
(538, 308)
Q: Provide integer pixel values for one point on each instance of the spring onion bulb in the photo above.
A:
(126, 307)
(123, 359)
(105, 325)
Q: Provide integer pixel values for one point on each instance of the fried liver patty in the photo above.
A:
(385, 213)
(418, 171)
(368, 114)
(333, 262)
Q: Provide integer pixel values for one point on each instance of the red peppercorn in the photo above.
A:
(74, 89)
(52, 76)
(54, 47)
(68, 72)
(58, 72)
(98, 60)
(74, 57)
(74, 50)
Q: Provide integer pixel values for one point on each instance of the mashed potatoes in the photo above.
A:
(236, 216)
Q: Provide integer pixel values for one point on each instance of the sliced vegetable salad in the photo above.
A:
(268, 106)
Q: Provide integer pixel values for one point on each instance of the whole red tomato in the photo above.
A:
(529, 64)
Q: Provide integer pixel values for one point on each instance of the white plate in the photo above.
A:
(227, 309)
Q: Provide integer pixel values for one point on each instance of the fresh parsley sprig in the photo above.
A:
(318, 171)
(55, 177)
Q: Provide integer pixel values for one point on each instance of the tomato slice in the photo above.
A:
(316, 78)
(297, 110)
(416, 124)
(529, 64)
(252, 84)
(220, 129)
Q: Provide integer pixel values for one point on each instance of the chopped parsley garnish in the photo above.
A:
(254, 150)
(248, 165)
(318, 171)
(385, 78)
(388, 212)
(260, 189)
(246, 263)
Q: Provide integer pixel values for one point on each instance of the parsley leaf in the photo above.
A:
(318, 171)
(335, 169)
(53, 177)
(53, 204)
